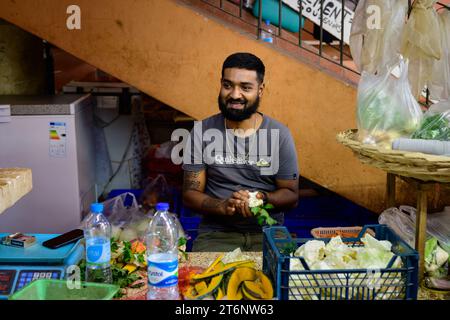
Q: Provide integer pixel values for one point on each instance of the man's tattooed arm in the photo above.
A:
(193, 181)
(194, 197)
(212, 203)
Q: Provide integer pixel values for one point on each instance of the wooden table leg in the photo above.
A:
(390, 190)
(421, 227)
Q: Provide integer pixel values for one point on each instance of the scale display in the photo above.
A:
(6, 281)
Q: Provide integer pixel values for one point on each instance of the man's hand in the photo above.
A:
(222, 207)
(240, 198)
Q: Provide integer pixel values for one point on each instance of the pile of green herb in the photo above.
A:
(435, 127)
(120, 277)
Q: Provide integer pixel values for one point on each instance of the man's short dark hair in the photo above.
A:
(244, 60)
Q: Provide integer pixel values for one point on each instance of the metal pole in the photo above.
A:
(280, 7)
(321, 27)
(300, 16)
(341, 58)
(259, 18)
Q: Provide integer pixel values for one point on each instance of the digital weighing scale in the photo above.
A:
(19, 266)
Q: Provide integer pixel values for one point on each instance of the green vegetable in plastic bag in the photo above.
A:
(386, 108)
(436, 123)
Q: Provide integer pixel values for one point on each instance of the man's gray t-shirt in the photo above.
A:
(233, 163)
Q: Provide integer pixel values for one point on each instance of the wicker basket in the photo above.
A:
(421, 166)
(344, 232)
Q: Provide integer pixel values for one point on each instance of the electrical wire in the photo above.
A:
(122, 161)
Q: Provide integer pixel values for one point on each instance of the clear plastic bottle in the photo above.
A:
(162, 255)
(97, 233)
(267, 32)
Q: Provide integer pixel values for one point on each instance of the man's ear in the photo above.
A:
(261, 89)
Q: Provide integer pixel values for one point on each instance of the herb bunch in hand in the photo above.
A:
(252, 204)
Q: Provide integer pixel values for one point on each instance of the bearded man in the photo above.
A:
(235, 152)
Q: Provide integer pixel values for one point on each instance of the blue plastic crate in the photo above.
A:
(391, 283)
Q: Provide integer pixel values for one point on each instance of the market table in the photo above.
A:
(203, 259)
(419, 169)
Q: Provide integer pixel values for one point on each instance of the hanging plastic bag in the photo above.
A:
(421, 43)
(386, 108)
(439, 84)
(375, 33)
(435, 124)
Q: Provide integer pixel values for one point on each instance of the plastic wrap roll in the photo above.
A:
(425, 146)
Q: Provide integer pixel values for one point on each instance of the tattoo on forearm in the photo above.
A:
(211, 203)
(191, 181)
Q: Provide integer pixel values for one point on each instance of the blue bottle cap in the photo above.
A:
(97, 207)
(162, 206)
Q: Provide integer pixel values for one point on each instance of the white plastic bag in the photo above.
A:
(375, 45)
(400, 222)
(386, 108)
(439, 84)
(403, 221)
(127, 222)
(421, 43)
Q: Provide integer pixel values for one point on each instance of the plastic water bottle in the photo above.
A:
(97, 233)
(267, 32)
(162, 256)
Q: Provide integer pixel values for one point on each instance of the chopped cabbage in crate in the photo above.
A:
(373, 255)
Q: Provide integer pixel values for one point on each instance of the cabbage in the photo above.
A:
(375, 254)
(128, 234)
(435, 256)
(312, 251)
(235, 256)
(116, 231)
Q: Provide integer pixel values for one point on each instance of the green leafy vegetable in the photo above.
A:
(435, 127)
(259, 210)
(120, 277)
(181, 242)
(288, 248)
(128, 256)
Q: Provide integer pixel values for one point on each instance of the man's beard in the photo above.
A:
(235, 114)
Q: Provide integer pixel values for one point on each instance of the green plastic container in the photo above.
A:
(44, 289)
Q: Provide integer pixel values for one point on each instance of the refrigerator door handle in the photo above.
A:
(5, 113)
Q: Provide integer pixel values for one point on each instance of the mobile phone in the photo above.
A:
(64, 239)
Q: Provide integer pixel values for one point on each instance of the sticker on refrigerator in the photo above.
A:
(57, 139)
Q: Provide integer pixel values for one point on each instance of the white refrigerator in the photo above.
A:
(54, 136)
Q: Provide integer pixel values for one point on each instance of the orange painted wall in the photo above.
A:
(175, 54)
